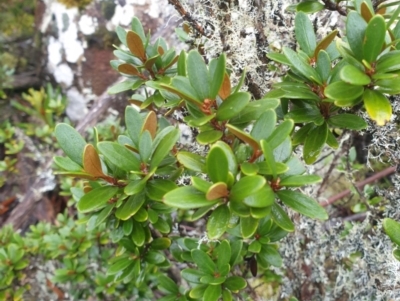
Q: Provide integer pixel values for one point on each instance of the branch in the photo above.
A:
(188, 17)
(361, 184)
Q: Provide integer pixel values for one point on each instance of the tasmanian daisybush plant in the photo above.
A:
(246, 175)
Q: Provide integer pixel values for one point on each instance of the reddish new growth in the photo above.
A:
(207, 105)
(275, 184)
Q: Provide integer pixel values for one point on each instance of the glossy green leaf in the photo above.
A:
(129, 84)
(388, 62)
(138, 234)
(145, 146)
(301, 66)
(119, 156)
(323, 65)
(265, 169)
(130, 206)
(378, 106)
(305, 35)
(281, 218)
(269, 157)
(342, 91)
(260, 199)
(269, 256)
(300, 180)
(135, 186)
(181, 86)
(264, 126)
(314, 143)
(348, 121)
(104, 213)
(355, 32)
(354, 76)
(389, 86)
(198, 74)
(212, 293)
(230, 156)
(232, 105)
(302, 204)
(187, 197)
(392, 229)
(304, 115)
(192, 275)
(203, 261)
(218, 222)
(374, 38)
(71, 142)
(249, 169)
(278, 57)
(96, 198)
(134, 123)
(248, 226)
(167, 284)
(201, 184)
(217, 165)
(246, 186)
(217, 191)
(119, 265)
(208, 137)
(157, 188)
(235, 283)
(253, 110)
(191, 161)
(217, 73)
(67, 164)
(164, 147)
(281, 132)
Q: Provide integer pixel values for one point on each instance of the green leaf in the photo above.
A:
(135, 186)
(181, 86)
(67, 164)
(201, 184)
(235, 283)
(119, 265)
(191, 161)
(248, 226)
(269, 157)
(119, 156)
(310, 6)
(134, 123)
(157, 188)
(145, 146)
(137, 27)
(246, 186)
(388, 62)
(314, 143)
(374, 38)
(96, 198)
(325, 44)
(192, 275)
(300, 180)
(378, 106)
(249, 169)
(265, 169)
(130, 206)
(354, 76)
(348, 121)
(187, 197)
(304, 31)
(212, 293)
(129, 84)
(281, 218)
(341, 91)
(281, 132)
(301, 66)
(304, 115)
(217, 73)
(264, 126)
(164, 147)
(182, 63)
(355, 31)
(208, 137)
(253, 110)
(217, 165)
(302, 204)
(261, 198)
(269, 256)
(392, 229)
(203, 261)
(278, 57)
(218, 222)
(167, 284)
(232, 162)
(389, 86)
(71, 142)
(324, 65)
(232, 105)
(138, 234)
(198, 75)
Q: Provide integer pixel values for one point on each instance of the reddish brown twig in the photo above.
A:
(188, 17)
(360, 184)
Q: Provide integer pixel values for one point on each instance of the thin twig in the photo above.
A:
(188, 17)
(361, 184)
